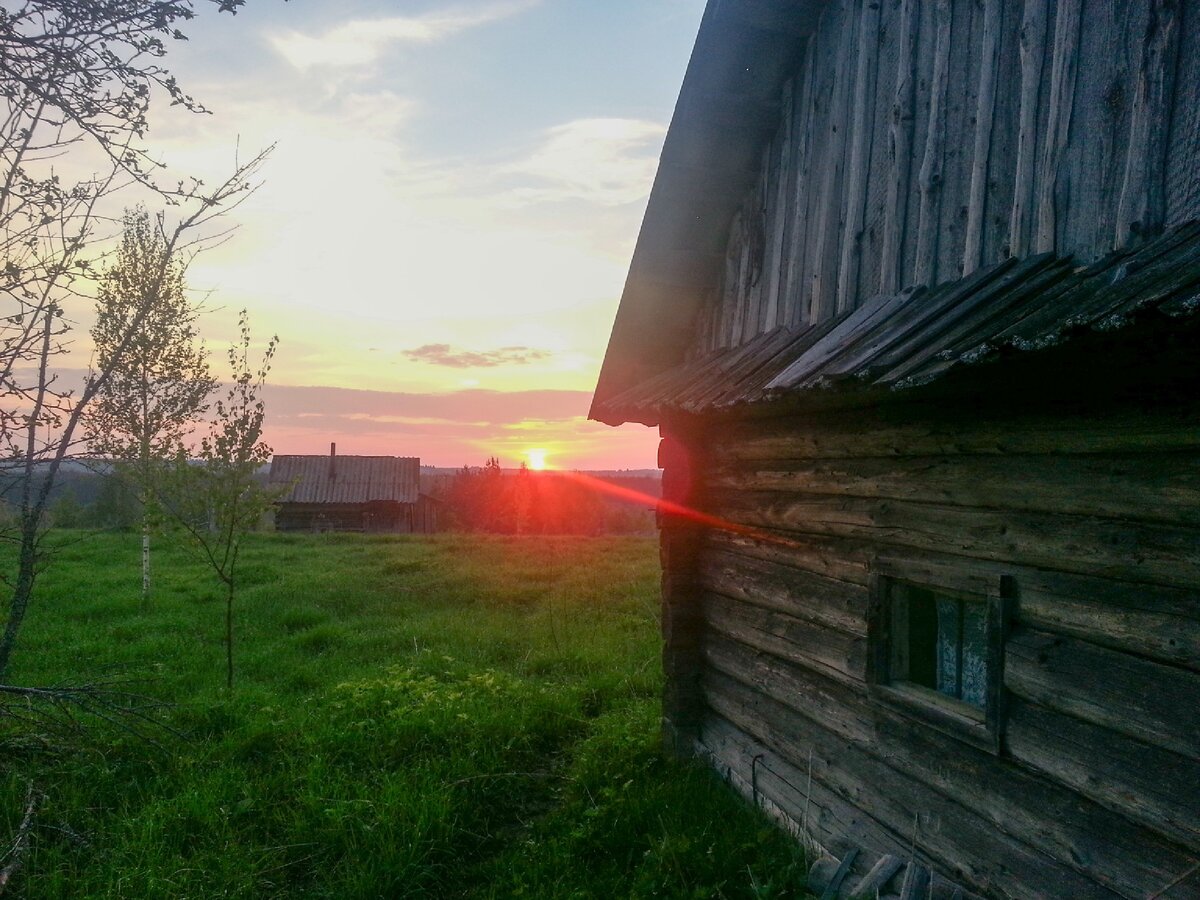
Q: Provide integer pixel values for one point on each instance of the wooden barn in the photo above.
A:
(914, 305)
(351, 493)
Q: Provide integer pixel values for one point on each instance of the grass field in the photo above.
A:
(455, 716)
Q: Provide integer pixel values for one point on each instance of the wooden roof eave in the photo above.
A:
(728, 108)
(898, 342)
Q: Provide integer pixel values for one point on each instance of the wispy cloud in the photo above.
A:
(445, 355)
(361, 41)
(608, 162)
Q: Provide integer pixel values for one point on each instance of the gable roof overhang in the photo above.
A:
(893, 344)
(727, 111)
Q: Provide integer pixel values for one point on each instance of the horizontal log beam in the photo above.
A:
(1162, 487)
(1148, 701)
(832, 653)
(869, 434)
(1149, 785)
(1137, 552)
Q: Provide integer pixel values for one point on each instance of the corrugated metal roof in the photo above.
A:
(914, 337)
(347, 479)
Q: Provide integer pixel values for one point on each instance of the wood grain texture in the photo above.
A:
(1064, 66)
(795, 307)
(766, 582)
(801, 641)
(1159, 487)
(1128, 551)
(828, 225)
(781, 220)
(1033, 33)
(1150, 702)
(1146, 783)
(874, 435)
(861, 130)
(1183, 175)
(985, 115)
(900, 150)
(929, 180)
(1141, 209)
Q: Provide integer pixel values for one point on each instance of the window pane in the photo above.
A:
(948, 642)
(974, 656)
(922, 637)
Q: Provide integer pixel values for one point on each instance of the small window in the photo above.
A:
(937, 648)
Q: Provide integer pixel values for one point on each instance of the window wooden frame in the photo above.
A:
(982, 727)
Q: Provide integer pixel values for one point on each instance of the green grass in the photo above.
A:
(447, 717)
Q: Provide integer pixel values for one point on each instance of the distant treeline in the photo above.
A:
(527, 502)
(91, 495)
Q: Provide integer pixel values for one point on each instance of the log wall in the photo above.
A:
(1094, 518)
(922, 139)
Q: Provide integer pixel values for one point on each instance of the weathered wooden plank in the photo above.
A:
(1025, 283)
(1033, 50)
(880, 874)
(1146, 783)
(1161, 487)
(1063, 71)
(778, 263)
(829, 602)
(860, 154)
(1130, 551)
(728, 295)
(795, 307)
(929, 181)
(1155, 622)
(900, 151)
(756, 239)
(1148, 701)
(740, 244)
(828, 225)
(985, 112)
(955, 177)
(1141, 209)
(935, 776)
(1183, 175)
(835, 559)
(869, 434)
(1111, 43)
(839, 337)
(835, 883)
(832, 653)
(877, 165)
(1002, 155)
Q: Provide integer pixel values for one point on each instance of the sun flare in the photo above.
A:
(537, 459)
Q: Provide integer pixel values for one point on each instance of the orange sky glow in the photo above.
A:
(442, 233)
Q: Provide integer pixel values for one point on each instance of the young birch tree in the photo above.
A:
(154, 394)
(219, 498)
(76, 81)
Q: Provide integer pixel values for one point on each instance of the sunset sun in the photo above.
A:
(537, 459)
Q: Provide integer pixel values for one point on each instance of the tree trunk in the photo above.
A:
(229, 634)
(22, 590)
(145, 561)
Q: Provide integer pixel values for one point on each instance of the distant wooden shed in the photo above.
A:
(914, 305)
(351, 493)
